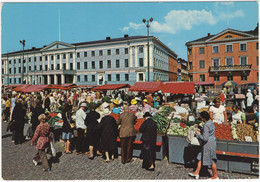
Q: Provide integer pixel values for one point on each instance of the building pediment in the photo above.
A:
(57, 45)
(229, 34)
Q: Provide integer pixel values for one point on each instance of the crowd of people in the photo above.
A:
(94, 133)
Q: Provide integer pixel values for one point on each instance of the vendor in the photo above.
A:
(116, 109)
(147, 107)
(238, 116)
(218, 112)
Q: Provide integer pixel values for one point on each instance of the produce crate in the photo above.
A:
(160, 150)
(176, 147)
(222, 163)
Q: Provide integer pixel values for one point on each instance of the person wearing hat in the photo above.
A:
(81, 127)
(149, 136)
(249, 100)
(116, 109)
(149, 99)
(127, 134)
(108, 135)
(147, 107)
(42, 138)
(133, 107)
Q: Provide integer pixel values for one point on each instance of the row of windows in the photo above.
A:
(229, 62)
(109, 77)
(229, 48)
(229, 77)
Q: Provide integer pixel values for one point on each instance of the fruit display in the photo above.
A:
(138, 123)
(223, 131)
(244, 130)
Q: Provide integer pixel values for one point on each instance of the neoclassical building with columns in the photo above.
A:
(108, 61)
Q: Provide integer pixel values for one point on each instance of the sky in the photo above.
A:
(174, 23)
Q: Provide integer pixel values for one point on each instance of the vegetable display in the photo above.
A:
(162, 122)
(223, 131)
(176, 129)
(244, 130)
(53, 120)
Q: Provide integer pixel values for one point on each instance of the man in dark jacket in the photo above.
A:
(148, 153)
(127, 134)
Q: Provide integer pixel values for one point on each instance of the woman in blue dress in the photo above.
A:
(116, 109)
(207, 155)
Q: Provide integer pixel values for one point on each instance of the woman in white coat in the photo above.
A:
(249, 100)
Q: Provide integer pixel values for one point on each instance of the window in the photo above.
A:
(9, 61)
(257, 45)
(189, 51)
(117, 77)
(58, 56)
(78, 78)
(19, 70)
(93, 78)
(216, 63)
(85, 54)
(46, 58)
(190, 65)
(215, 49)
(46, 67)
(78, 54)
(244, 76)
(202, 64)
(202, 51)
(86, 78)
(34, 59)
(58, 67)
(52, 57)
(78, 65)
(85, 65)
(117, 63)
(243, 60)
(2, 70)
(257, 61)
(242, 47)
(52, 67)
(141, 49)
(64, 66)
(100, 64)
(20, 80)
(108, 63)
(109, 77)
(40, 68)
(126, 50)
(64, 56)
(109, 52)
(229, 61)
(30, 60)
(229, 48)
(92, 53)
(101, 53)
(228, 36)
(71, 66)
(141, 62)
(93, 64)
(14, 70)
(141, 77)
(230, 76)
(202, 78)
(126, 63)
(126, 77)
(117, 51)
(35, 68)
(10, 70)
(71, 55)
(40, 59)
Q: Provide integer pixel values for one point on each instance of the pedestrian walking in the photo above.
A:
(249, 100)
(207, 156)
(36, 112)
(81, 127)
(42, 138)
(149, 135)
(93, 134)
(108, 135)
(127, 134)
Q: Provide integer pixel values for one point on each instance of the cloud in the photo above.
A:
(177, 20)
(136, 26)
(125, 29)
(225, 3)
(236, 14)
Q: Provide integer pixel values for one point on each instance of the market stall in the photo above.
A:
(150, 87)
(110, 87)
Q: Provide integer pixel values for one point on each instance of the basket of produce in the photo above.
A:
(223, 131)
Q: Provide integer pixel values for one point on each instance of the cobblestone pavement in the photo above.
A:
(17, 165)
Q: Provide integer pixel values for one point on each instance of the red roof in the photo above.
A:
(20, 87)
(34, 88)
(58, 87)
(146, 86)
(110, 87)
(86, 86)
(204, 83)
(179, 88)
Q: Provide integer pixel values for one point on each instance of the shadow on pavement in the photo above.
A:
(6, 136)
(55, 159)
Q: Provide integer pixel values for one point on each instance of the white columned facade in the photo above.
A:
(131, 56)
(61, 65)
(151, 54)
(67, 62)
(62, 78)
(145, 56)
(74, 62)
(36, 80)
(136, 56)
(48, 79)
(49, 62)
(55, 79)
(54, 62)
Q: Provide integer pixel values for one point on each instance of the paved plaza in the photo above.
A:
(17, 165)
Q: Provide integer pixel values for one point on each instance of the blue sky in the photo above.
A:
(175, 23)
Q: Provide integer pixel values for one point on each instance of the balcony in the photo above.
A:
(230, 68)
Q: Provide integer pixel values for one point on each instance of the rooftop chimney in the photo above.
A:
(33, 48)
(108, 38)
(126, 35)
(208, 34)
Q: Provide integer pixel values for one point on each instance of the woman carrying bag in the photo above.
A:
(42, 138)
(207, 156)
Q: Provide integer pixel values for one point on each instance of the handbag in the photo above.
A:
(53, 150)
(25, 129)
(192, 139)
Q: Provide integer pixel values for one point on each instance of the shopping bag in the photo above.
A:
(53, 150)
(30, 132)
(191, 138)
(25, 129)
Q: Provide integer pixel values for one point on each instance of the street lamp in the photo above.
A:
(148, 60)
(22, 42)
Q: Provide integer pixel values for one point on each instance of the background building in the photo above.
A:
(182, 70)
(228, 55)
(119, 60)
